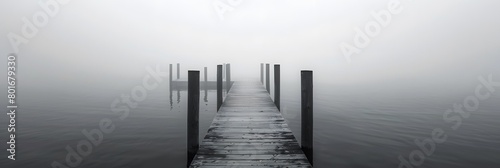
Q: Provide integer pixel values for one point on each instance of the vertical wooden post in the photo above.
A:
(267, 79)
(170, 85)
(170, 76)
(307, 113)
(219, 86)
(193, 113)
(277, 85)
(178, 70)
(224, 71)
(206, 80)
(205, 87)
(228, 77)
(262, 73)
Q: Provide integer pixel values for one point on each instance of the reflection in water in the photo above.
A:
(182, 85)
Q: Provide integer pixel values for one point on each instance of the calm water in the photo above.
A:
(353, 127)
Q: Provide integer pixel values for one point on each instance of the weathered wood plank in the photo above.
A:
(249, 131)
(251, 162)
(249, 140)
(251, 152)
(251, 146)
(250, 143)
(244, 157)
(242, 166)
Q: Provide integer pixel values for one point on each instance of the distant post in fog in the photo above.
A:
(206, 80)
(224, 71)
(262, 73)
(267, 79)
(178, 70)
(170, 76)
(228, 77)
(205, 87)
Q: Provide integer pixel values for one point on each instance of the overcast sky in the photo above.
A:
(106, 38)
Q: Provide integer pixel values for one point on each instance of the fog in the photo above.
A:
(94, 43)
(386, 73)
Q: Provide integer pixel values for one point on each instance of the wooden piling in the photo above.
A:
(206, 78)
(224, 71)
(267, 79)
(178, 70)
(262, 73)
(219, 86)
(193, 113)
(307, 114)
(228, 77)
(170, 85)
(170, 76)
(205, 85)
(277, 85)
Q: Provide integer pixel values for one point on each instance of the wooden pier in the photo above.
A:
(249, 131)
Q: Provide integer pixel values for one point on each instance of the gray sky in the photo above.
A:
(452, 38)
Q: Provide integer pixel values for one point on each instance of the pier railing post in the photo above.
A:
(228, 77)
(205, 71)
(206, 76)
(277, 85)
(224, 71)
(219, 86)
(267, 79)
(170, 76)
(193, 113)
(307, 113)
(170, 85)
(205, 84)
(262, 73)
(178, 70)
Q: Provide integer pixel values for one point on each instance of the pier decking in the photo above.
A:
(249, 131)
